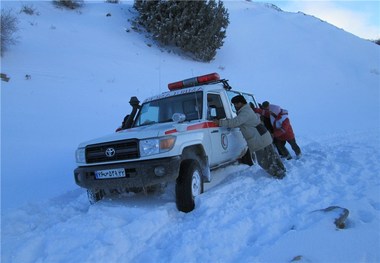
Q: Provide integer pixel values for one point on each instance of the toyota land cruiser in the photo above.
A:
(170, 137)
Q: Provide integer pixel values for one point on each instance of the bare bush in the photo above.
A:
(29, 10)
(9, 27)
(70, 4)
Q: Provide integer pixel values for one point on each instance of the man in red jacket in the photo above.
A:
(282, 129)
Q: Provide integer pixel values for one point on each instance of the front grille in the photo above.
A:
(123, 150)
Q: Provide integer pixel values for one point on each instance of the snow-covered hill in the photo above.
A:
(84, 66)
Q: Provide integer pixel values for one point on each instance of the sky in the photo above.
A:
(358, 17)
(71, 76)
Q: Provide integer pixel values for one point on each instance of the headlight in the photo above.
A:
(80, 155)
(156, 145)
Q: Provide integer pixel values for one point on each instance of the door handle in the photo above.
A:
(215, 131)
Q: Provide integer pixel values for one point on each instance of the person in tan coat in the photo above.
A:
(258, 138)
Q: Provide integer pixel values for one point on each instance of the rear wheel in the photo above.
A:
(189, 184)
(94, 195)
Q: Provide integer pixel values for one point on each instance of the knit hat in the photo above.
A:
(265, 104)
(237, 99)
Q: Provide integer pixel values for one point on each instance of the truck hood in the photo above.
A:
(148, 131)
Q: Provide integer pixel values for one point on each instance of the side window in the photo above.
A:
(215, 107)
(230, 95)
(250, 99)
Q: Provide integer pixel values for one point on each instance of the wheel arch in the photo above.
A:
(197, 152)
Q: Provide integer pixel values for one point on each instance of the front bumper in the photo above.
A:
(138, 174)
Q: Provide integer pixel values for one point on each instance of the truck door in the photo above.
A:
(227, 143)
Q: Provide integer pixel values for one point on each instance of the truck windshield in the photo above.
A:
(162, 110)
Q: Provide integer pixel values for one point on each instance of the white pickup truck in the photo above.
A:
(168, 138)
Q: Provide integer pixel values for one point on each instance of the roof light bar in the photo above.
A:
(195, 81)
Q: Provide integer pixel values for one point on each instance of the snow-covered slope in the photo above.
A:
(83, 68)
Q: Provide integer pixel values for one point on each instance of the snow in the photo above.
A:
(85, 66)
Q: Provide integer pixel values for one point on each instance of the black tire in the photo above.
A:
(189, 184)
(247, 158)
(94, 195)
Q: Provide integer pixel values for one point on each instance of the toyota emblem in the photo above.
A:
(110, 152)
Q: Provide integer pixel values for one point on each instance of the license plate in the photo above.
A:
(106, 174)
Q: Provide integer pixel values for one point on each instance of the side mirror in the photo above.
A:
(212, 113)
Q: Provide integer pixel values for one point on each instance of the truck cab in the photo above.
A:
(170, 137)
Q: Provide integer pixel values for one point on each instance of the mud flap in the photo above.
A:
(206, 170)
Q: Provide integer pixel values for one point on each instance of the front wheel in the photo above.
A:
(189, 184)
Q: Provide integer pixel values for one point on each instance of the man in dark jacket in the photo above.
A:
(257, 136)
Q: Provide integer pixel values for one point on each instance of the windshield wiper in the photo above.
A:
(168, 120)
